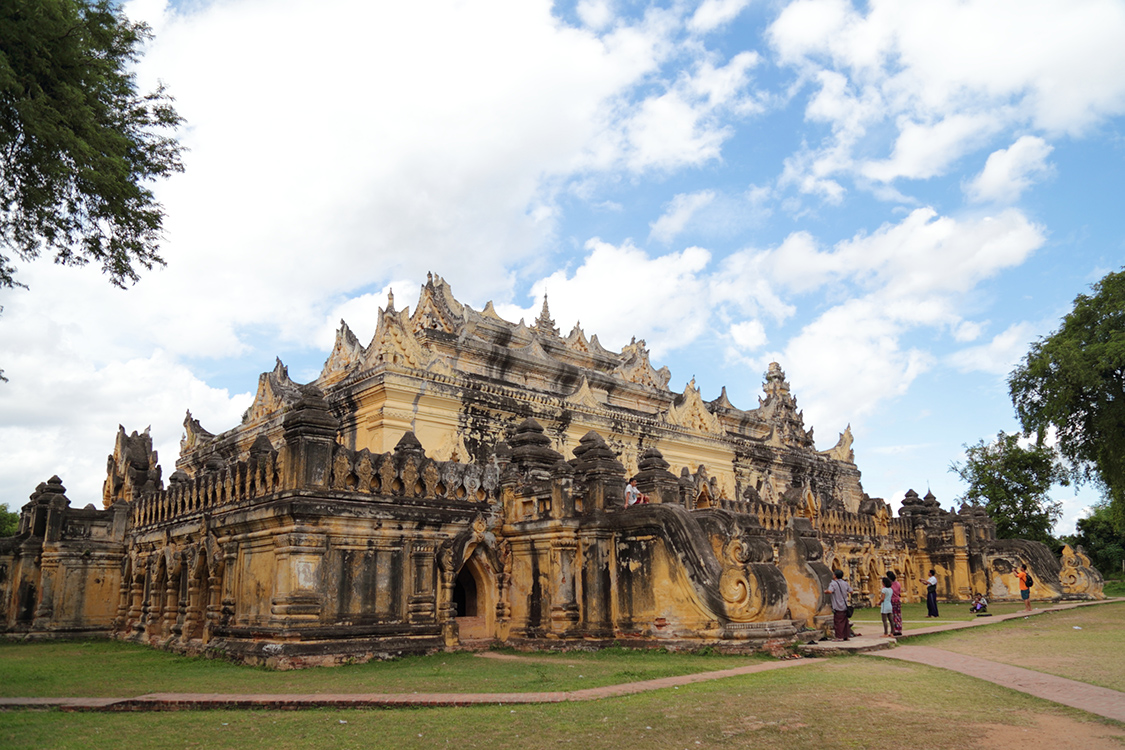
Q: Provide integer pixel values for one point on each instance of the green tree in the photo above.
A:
(79, 145)
(1102, 542)
(9, 522)
(1074, 382)
(1012, 482)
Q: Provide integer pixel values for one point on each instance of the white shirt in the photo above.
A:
(632, 495)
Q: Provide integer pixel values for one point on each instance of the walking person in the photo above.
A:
(931, 594)
(1025, 587)
(885, 608)
(896, 604)
(839, 592)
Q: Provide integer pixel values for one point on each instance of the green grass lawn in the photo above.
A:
(103, 668)
(844, 702)
(848, 702)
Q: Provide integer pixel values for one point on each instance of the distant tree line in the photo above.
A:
(1070, 387)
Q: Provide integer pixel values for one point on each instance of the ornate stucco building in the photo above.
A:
(459, 481)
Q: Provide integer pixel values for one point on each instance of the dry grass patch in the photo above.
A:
(1084, 644)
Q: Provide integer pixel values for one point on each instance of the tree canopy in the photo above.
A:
(78, 144)
(1074, 382)
(9, 522)
(1102, 542)
(1011, 482)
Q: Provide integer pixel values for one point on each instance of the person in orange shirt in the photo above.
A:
(1025, 590)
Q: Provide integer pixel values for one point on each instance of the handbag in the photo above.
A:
(849, 611)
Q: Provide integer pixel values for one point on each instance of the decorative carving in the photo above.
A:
(576, 340)
(842, 451)
(691, 412)
(636, 368)
(276, 394)
(779, 409)
(346, 353)
(437, 310)
(132, 469)
(583, 396)
(194, 434)
(394, 343)
(544, 324)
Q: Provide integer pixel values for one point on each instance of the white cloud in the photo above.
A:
(926, 150)
(620, 291)
(887, 80)
(597, 14)
(71, 435)
(1010, 171)
(328, 158)
(711, 14)
(876, 289)
(749, 335)
(679, 212)
(681, 125)
(1000, 355)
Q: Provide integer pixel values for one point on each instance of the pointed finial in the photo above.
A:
(544, 323)
(390, 300)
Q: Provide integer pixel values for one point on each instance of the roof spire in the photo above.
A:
(544, 323)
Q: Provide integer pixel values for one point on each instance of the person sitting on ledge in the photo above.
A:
(633, 496)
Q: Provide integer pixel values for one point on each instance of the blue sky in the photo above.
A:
(892, 200)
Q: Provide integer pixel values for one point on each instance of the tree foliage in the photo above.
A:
(1074, 381)
(9, 522)
(1012, 483)
(1102, 542)
(78, 144)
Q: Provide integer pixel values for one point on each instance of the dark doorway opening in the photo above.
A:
(465, 594)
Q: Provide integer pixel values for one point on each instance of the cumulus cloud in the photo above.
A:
(621, 291)
(597, 14)
(886, 70)
(408, 138)
(1010, 171)
(849, 359)
(72, 434)
(749, 335)
(1000, 355)
(679, 212)
(711, 14)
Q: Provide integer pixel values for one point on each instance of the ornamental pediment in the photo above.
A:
(346, 353)
(692, 413)
(394, 343)
(276, 393)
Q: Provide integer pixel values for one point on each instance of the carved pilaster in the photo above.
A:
(564, 607)
(421, 605)
(298, 557)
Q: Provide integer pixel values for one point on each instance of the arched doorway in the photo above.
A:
(465, 594)
(474, 598)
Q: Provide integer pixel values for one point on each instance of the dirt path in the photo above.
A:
(1090, 698)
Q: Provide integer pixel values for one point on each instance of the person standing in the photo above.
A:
(896, 604)
(885, 607)
(931, 594)
(1025, 588)
(838, 592)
